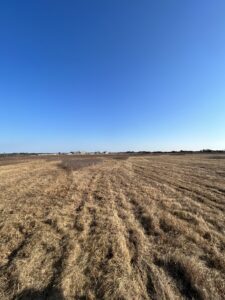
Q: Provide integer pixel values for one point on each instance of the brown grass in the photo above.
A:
(72, 164)
(150, 227)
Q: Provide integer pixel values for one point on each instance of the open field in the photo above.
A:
(145, 227)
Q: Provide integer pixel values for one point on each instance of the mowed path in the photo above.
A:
(143, 228)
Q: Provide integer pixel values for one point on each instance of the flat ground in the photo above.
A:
(148, 227)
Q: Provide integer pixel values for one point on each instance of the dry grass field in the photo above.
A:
(145, 227)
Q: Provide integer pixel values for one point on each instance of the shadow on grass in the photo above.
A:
(46, 294)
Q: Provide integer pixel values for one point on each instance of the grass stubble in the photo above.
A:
(106, 228)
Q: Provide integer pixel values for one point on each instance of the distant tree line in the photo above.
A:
(175, 152)
(18, 154)
(126, 152)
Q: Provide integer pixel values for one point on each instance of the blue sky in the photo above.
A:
(112, 75)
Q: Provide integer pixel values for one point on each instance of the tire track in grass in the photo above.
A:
(177, 287)
(105, 249)
(153, 281)
(184, 186)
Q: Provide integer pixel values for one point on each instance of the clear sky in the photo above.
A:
(112, 75)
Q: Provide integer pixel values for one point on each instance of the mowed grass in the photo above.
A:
(145, 227)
